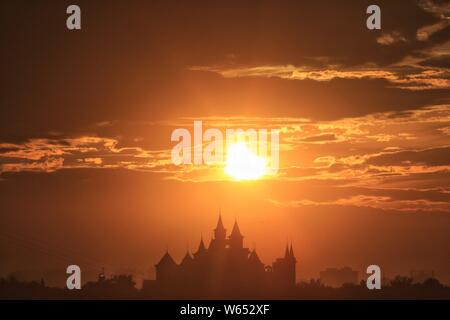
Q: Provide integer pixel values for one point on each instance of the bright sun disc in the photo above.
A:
(242, 164)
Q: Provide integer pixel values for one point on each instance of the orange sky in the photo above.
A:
(364, 117)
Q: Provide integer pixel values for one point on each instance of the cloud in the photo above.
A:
(425, 32)
(403, 77)
(292, 72)
(439, 61)
(390, 38)
(48, 155)
(386, 149)
(46, 165)
(321, 138)
(376, 202)
(437, 156)
(445, 130)
(440, 10)
(397, 160)
(97, 161)
(285, 34)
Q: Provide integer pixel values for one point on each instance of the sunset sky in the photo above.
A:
(86, 117)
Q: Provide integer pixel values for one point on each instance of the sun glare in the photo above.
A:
(243, 164)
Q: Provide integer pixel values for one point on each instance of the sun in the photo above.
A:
(243, 164)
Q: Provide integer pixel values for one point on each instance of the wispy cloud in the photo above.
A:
(404, 77)
(376, 202)
(49, 155)
(391, 38)
(442, 11)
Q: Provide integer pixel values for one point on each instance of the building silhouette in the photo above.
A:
(225, 267)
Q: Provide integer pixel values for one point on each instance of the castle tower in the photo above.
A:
(291, 254)
(286, 252)
(201, 249)
(220, 235)
(187, 264)
(291, 266)
(236, 240)
(255, 262)
(165, 268)
(284, 268)
(187, 260)
(220, 232)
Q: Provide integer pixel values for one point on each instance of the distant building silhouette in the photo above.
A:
(335, 277)
(226, 266)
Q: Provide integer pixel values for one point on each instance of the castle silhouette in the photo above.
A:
(226, 267)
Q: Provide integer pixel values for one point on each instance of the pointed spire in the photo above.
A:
(201, 251)
(291, 254)
(220, 232)
(166, 260)
(220, 223)
(187, 259)
(236, 238)
(236, 232)
(201, 246)
(253, 258)
(286, 252)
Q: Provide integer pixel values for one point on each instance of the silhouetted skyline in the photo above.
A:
(226, 269)
(223, 267)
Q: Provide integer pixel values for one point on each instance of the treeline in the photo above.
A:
(124, 287)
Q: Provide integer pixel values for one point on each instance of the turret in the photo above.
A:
(220, 232)
(236, 239)
(284, 268)
(286, 252)
(165, 268)
(291, 254)
(201, 249)
(254, 259)
(187, 260)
